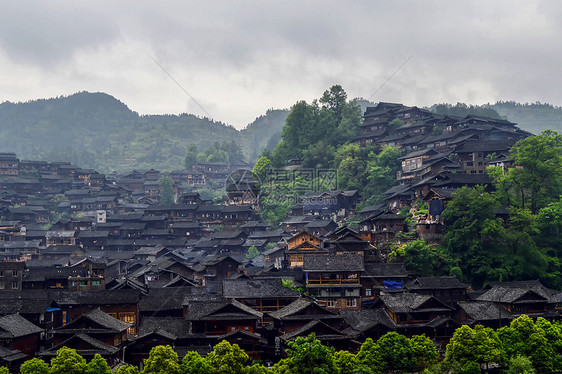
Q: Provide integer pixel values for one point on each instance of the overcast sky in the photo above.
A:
(239, 58)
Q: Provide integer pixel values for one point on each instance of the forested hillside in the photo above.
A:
(98, 131)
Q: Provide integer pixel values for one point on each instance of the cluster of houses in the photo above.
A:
(120, 304)
(93, 262)
(442, 154)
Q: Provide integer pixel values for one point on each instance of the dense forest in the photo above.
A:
(96, 130)
(525, 346)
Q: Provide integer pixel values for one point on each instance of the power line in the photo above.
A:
(390, 77)
(180, 86)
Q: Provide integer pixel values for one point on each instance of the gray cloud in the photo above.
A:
(239, 58)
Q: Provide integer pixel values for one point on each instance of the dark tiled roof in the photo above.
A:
(256, 288)
(425, 151)
(163, 299)
(159, 332)
(298, 306)
(14, 326)
(124, 296)
(431, 283)
(365, 319)
(267, 234)
(220, 310)
(93, 234)
(176, 326)
(8, 355)
(484, 311)
(511, 292)
(96, 346)
(107, 321)
(328, 333)
(485, 146)
(385, 269)
(373, 208)
(329, 263)
(411, 302)
(25, 302)
(468, 179)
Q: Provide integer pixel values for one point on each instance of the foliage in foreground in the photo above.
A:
(525, 346)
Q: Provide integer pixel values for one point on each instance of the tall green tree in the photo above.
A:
(262, 166)
(226, 358)
(396, 352)
(381, 172)
(346, 362)
(426, 260)
(162, 360)
(67, 361)
(252, 252)
(98, 365)
(334, 99)
(308, 355)
(369, 357)
(424, 352)
(190, 156)
(536, 178)
(481, 345)
(34, 366)
(193, 363)
(549, 224)
(539, 176)
(313, 131)
(473, 232)
(167, 191)
(541, 341)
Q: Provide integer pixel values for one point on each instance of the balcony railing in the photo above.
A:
(333, 281)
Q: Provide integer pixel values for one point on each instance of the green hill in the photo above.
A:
(98, 131)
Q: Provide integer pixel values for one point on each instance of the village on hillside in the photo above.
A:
(99, 264)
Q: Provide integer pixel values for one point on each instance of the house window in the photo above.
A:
(332, 303)
(83, 283)
(15, 285)
(368, 292)
(351, 302)
(2, 285)
(1, 273)
(15, 273)
(96, 283)
(128, 317)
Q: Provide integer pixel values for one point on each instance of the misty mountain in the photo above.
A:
(534, 118)
(98, 131)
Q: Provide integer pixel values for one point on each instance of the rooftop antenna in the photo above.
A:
(179, 85)
(390, 77)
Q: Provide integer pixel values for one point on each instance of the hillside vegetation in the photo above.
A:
(98, 131)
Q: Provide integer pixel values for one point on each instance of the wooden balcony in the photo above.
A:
(333, 282)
